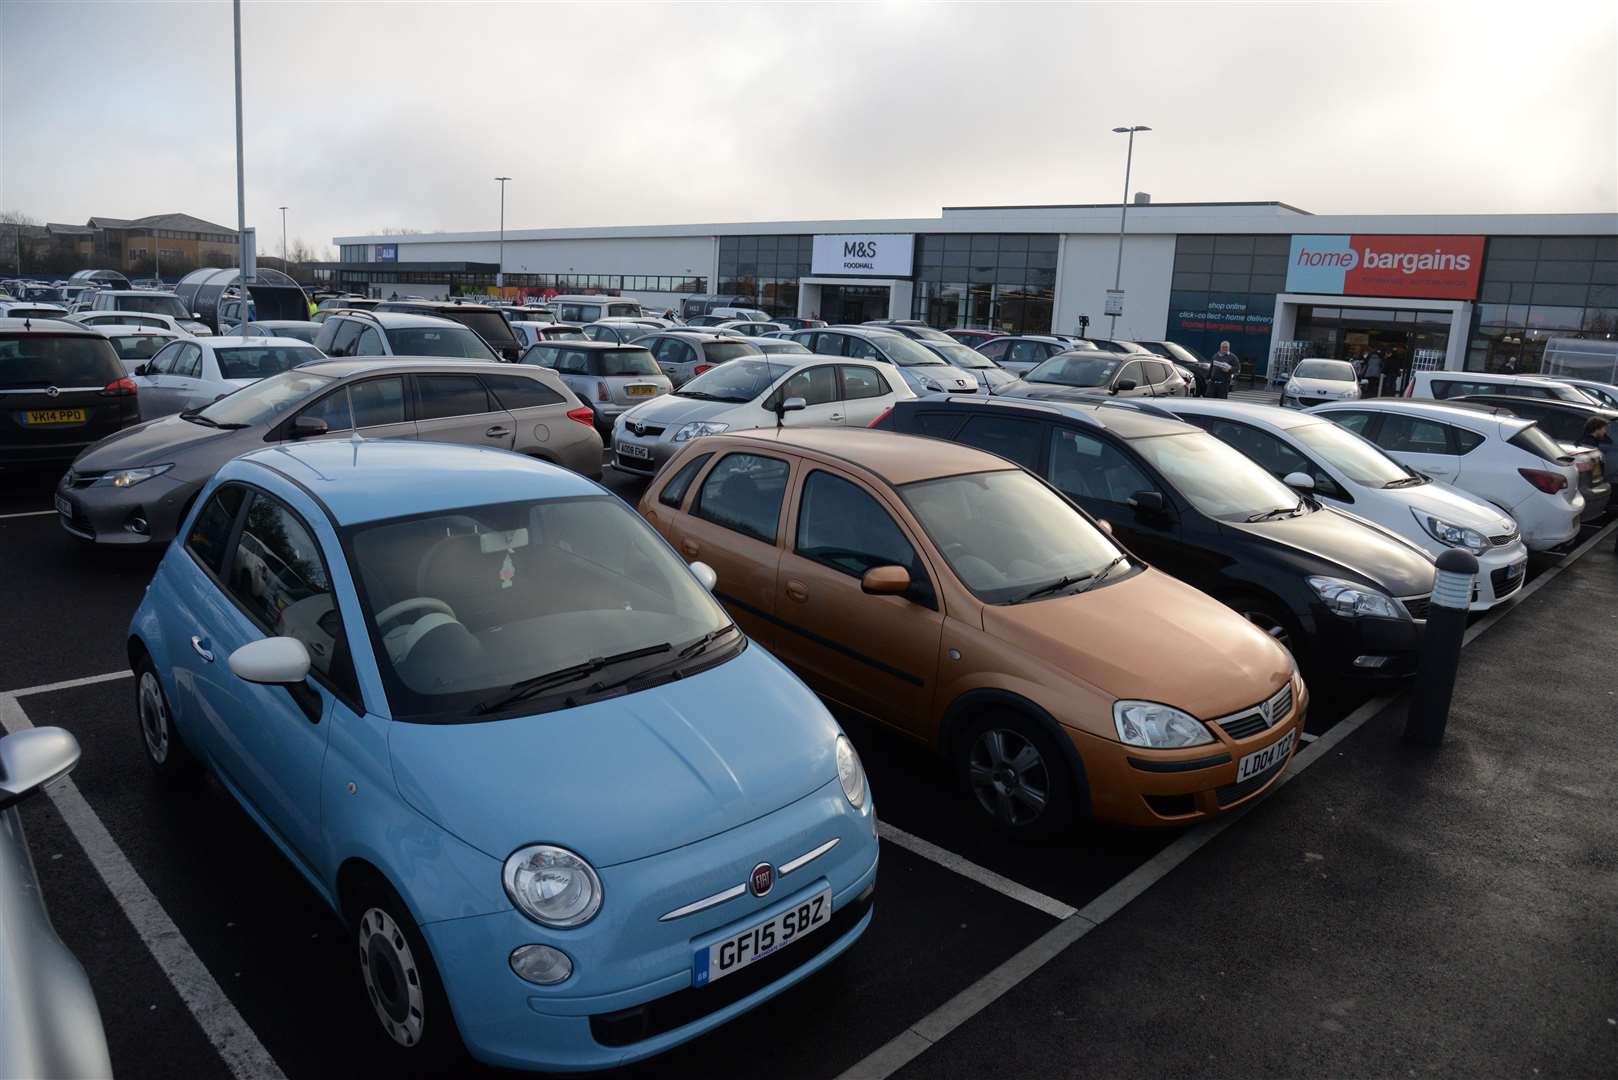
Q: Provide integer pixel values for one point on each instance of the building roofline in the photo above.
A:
(1132, 206)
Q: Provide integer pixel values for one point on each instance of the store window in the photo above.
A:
(766, 269)
(1537, 288)
(1223, 289)
(1006, 281)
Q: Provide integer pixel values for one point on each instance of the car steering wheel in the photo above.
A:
(405, 607)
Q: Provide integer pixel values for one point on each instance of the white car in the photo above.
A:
(135, 345)
(755, 392)
(142, 302)
(1315, 381)
(137, 318)
(1505, 460)
(530, 334)
(1449, 384)
(1309, 452)
(749, 327)
(189, 373)
(28, 309)
(1602, 393)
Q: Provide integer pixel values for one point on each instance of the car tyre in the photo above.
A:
(1015, 773)
(1269, 618)
(165, 751)
(401, 983)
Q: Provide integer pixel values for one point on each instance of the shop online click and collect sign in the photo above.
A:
(1431, 267)
(864, 254)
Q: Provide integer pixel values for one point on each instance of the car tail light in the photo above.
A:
(602, 393)
(583, 414)
(878, 421)
(700, 368)
(1585, 464)
(120, 388)
(1548, 482)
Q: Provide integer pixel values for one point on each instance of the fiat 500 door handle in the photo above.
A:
(798, 591)
(200, 649)
(497, 431)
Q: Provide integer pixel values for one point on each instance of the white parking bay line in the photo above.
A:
(234, 1041)
(68, 684)
(968, 869)
(27, 513)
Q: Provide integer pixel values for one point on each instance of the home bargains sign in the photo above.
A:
(1429, 267)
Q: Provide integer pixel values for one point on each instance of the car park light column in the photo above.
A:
(500, 270)
(241, 179)
(1123, 216)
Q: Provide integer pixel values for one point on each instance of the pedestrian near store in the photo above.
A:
(1373, 374)
(1595, 431)
(1220, 381)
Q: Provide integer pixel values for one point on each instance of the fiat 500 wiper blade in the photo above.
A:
(520, 691)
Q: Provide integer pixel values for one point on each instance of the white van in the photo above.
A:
(1441, 385)
(588, 309)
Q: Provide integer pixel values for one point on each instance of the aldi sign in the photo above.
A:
(1426, 267)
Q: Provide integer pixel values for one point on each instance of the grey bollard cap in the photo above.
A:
(1452, 586)
(1458, 561)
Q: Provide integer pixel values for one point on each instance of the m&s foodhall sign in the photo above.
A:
(1430, 267)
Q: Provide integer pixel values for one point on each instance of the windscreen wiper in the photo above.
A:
(1058, 585)
(1101, 575)
(685, 653)
(1407, 481)
(527, 688)
(196, 417)
(1270, 515)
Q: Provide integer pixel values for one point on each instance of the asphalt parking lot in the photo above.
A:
(142, 884)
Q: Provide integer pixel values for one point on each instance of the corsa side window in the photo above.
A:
(674, 494)
(212, 529)
(744, 493)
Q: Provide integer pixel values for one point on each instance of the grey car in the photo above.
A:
(1023, 353)
(49, 1023)
(924, 370)
(990, 375)
(136, 486)
(621, 331)
(302, 329)
(608, 377)
(682, 355)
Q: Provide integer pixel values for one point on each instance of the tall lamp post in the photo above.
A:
(1123, 216)
(283, 239)
(500, 271)
(241, 182)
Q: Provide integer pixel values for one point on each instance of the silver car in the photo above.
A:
(49, 1023)
(622, 331)
(192, 372)
(925, 371)
(606, 376)
(135, 487)
(682, 355)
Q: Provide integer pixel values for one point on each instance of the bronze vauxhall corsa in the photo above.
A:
(957, 598)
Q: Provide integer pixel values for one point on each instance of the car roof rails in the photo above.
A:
(363, 313)
(1151, 408)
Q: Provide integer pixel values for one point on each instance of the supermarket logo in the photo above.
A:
(1435, 267)
(1409, 262)
(1336, 259)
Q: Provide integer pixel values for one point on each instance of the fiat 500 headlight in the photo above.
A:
(1347, 598)
(851, 774)
(1452, 535)
(696, 429)
(130, 477)
(1160, 727)
(552, 886)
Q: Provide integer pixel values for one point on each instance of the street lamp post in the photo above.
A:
(283, 239)
(241, 180)
(1123, 216)
(500, 271)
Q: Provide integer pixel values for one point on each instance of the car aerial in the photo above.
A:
(578, 797)
(1075, 376)
(796, 322)
(133, 318)
(1214, 374)
(189, 373)
(589, 309)
(485, 321)
(532, 333)
(606, 376)
(923, 369)
(755, 392)
(1315, 381)
(750, 327)
(49, 1022)
(1447, 384)
(62, 388)
(1347, 598)
(1504, 460)
(22, 309)
(775, 346)
(135, 344)
(1346, 472)
(1602, 393)
(972, 335)
(951, 595)
(1023, 353)
(682, 355)
(397, 333)
(298, 329)
(1564, 421)
(990, 375)
(151, 303)
(621, 331)
(914, 329)
(135, 488)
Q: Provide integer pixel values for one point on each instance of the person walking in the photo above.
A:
(1595, 431)
(1220, 380)
(1373, 374)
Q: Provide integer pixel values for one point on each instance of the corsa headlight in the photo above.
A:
(1452, 535)
(1160, 727)
(130, 477)
(1347, 598)
(851, 774)
(696, 429)
(552, 886)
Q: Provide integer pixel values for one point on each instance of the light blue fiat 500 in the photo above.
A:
(570, 814)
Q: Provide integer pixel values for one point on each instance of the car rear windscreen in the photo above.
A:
(626, 362)
(138, 346)
(490, 325)
(35, 361)
(261, 361)
(1536, 442)
(717, 352)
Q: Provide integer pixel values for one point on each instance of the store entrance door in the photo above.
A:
(853, 303)
(1381, 339)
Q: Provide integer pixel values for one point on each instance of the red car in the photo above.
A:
(973, 337)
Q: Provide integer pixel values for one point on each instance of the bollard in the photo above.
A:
(1441, 648)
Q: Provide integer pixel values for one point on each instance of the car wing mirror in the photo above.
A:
(1123, 384)
(1299, 481)
(305, 426)
(705, 574)
(786, 405)
(32, 759)
(886, 580)
(140, 369)
(1148, 502)
(273, 661)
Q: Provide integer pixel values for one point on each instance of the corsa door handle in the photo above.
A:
(690, 548)
(200, 649)
(798, 591)
(497, 431)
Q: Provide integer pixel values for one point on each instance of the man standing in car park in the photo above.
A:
(1220, 380)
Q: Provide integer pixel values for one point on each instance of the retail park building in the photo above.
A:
(1459, 290)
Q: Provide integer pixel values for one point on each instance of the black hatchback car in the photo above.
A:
(1349, 599)
(62, 387)
(481, 319)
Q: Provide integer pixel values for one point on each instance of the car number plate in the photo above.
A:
(632, 451)
(713, 962)
(641, 390)
(64, 507)
(55, 416)
(1260, 760)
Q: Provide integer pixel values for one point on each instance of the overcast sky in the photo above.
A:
(368, 115)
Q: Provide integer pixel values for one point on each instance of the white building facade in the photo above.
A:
(1460, 291)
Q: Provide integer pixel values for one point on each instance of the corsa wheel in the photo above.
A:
(1271, 626)
(1010, 776)
(392, 977)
